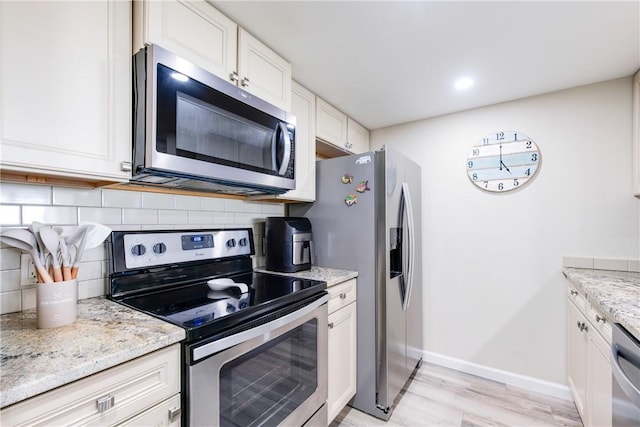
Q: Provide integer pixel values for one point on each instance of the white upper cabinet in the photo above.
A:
(199, 33)
(331, 123)
(194, 30)
(357, 137)
(335, 128)
(65, 89)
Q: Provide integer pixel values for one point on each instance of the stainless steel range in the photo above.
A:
(255, 352)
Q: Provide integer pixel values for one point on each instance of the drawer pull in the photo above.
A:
(583, 326)
(343, 296)
(105, 403)
(600, 319)
(174, 413)
(574, 292)
(331, 325)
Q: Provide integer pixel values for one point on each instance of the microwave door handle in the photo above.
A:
(282, 130)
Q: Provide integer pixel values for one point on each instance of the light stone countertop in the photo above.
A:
(617, 293)
(106, 334)
(332, 276)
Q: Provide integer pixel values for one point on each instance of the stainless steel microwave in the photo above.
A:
(194, 130)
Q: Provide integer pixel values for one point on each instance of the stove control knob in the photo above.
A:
(230, 308)
(138, 250)
(243, 241)
(231, 243)
(159, 248)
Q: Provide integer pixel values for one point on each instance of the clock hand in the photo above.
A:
(501, 156)
(505, 166)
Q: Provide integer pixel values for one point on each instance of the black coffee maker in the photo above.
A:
(288, 244)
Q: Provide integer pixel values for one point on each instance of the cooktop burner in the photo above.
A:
(165, 274)
(202, 311)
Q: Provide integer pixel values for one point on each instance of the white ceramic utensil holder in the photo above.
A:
(56, 303)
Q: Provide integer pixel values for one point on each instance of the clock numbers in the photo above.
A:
(503, 161)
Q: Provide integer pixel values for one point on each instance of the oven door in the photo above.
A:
(272, 374)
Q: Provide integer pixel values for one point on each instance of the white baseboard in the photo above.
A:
(548, 388)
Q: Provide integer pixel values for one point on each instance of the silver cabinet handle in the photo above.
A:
(331, 325)
(343, 296)
(105, 403)
(573, 292)
(582, 326)
(244, 82)
(234, 77)
(125, 166)
(600, 319)
(174, 413)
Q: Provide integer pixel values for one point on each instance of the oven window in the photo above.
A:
(264, 386)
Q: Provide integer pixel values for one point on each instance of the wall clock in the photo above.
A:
(503, 161)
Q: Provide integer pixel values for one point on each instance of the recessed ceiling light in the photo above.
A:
(463, 83)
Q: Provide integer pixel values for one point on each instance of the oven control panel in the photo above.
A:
(148, 249)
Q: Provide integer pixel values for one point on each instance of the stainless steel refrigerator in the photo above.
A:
(367, 217)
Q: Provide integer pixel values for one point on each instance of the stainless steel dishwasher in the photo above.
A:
(625, 366)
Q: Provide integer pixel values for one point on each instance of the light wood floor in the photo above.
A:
(439, 396)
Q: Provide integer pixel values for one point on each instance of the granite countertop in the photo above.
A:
(332, 276)
(106, 334)
(617, 293)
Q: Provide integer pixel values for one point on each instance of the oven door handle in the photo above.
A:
(227, 342)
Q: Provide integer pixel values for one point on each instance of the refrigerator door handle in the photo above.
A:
(412, 242)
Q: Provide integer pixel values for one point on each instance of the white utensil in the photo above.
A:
(51, 241)
(26, 241)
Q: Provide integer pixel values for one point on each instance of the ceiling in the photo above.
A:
(390, 62)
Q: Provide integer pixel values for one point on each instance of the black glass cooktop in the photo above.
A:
(204, 312)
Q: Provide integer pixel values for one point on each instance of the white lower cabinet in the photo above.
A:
(588, 361)
(144, 391)
(342, 346)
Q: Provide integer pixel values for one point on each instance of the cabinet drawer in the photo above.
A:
(600, 323)
(164, 414)
(341, 295)
(576, 297)
(122, 391)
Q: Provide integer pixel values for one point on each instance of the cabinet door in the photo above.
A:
(65, 88)
(599, 382)
(192, 29)
(357, 137)
(331, 124)
(342, 359)
(263, 72)
(303, 106)
(576, 356)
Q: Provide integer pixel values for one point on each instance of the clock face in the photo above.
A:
(503, 161)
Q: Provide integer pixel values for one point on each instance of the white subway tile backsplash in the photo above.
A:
(233, 205)
(158, 201)
(212, 204)
(139, 216)
(274, 209)
(76, 197)
(9, 280)
(25, 194)
(9, 215)
(189, 203)
(9, 259)
(173, 217)
(107, 216)
(121, 199)
(92, 288)
(161, 227)
(90, 270)
(10, 302)
(202, 217)
(610, 264)
(223, 218)
(95, 254)
(49, 214)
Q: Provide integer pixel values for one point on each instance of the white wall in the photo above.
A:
(494, 290)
